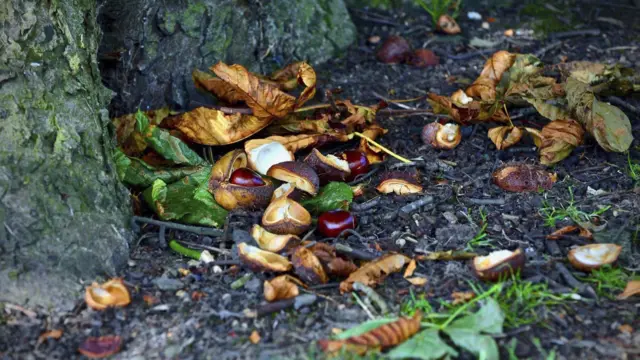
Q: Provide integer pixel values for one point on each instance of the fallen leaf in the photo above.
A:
(333, 196)
(505, 136)
(484, 87)
(632, 288)
(461, 297)
(447, 255)
(373, 153)
(281, 287)
(101, 347)
(266, 100)
(213, 127)
(294, 143)
(410, 269)
(559, 138)
(523, 178)
(138, 173)
(547, 110)
(417, 280)
(131, 141)
(425, 345)
(297, 73)
(254, 337)
(466, 113)
(112, 293)
(340, 267)
(374, 272)
(217, 87)
(51, 334)
(382, 337)
(608, 124)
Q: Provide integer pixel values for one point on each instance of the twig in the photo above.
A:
(205, 247)
(394, 112)
(574, 33)
(307, 235)
(393, 102)
(618, 101)
(363, 306)
(583, 289)
(374, 296)
(406, 210)
(540, 53)
(200, 230)
(29, 313)
(371, 141)
(225, 263)
(362, 177)
(472, 54)
(240, 282)
(325, 286)
(498, 201)
(354, 253)
(365, 205)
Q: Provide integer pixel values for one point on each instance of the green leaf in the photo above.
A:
(170, 147)
(488, 319)
(425, 345)
(549, 111)
(483, 346)
(142, 122)
(363, 328)
(334, 195)
(185, 201)
(611, 127)
(135, 172)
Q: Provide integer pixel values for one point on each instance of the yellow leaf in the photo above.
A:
(213, 127)
(264, 99)
(632, 288)
(484, 87)
(297, 73)
(217, 87)
(294, 143)
(374, 272)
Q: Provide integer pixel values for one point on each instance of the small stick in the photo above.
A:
(544, 50)
(394, 112)
(363, 306)
(374, 296)
(371, 141)
(365, 205)
(362, 177)
(354, 253)
(206, 247)
(617, 101)
(297, 302)
(393, 102)
(574, 33)
(584, 289)
(225, 263)
(415, 205)
(240, 282)
(200, 230)
(498, 201)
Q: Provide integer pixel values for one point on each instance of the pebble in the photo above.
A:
(450, 216)
(165, 283)
(253, 285)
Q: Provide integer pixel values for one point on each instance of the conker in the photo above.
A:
(394, 50)
(358, 163)
(246, 177)
(422, 58)
(333, 223)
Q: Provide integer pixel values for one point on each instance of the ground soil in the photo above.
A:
(173, 323)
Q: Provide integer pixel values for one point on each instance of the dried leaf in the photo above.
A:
(340, 267)
(447, 255)
(291, 124)
(373, 153)
(297, 73)
(254, 337)
(547, 110)
(112, 293)
(632, 288)
(281, 287)
(505, 136)
(100, 347)
(470, 113)
(51, 334)
(213, 127)
(294, 143)
(559, 138)
(461, 297)
(484, 87)
(374, 272)
(608, 124)
(266, 100)
(382, 337)
(217, 87)
(417, 280)
(410, 269)
(523, 178)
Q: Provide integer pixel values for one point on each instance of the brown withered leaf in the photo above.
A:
(523, 178)
(340, 267)
(410, 269)
(293, 125)
(254, 337)
(100, 347)
(373, 153)
(461, 297)
(417, 280)
(307, 266)
(632, 288)
(446, 256)
(217, 87)
(51, 334)
(281, 287)
(266, 100)
(470, 113)
(382, 337)
(294, 143)
(559, 138)
(505, 136)
(213, 127)
(374, 272)
(484, 87)
(569, 229)
(296, 73)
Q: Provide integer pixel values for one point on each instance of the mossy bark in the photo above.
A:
(63, 214)
(151, 47)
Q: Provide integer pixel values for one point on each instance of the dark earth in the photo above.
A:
(199, 315)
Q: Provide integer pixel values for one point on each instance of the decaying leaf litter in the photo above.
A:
(435, 219)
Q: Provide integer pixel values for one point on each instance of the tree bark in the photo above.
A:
(63, 215)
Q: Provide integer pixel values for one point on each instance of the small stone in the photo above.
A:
(165, 283)
(253, 285)
(131, 263)
(450, 216)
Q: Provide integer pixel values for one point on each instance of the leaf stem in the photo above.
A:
(453, 316)
(175, 246)
(312, 107)
(371, 141)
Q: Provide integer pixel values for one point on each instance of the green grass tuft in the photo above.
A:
(554, 214)
(608, 281)
(437, 8)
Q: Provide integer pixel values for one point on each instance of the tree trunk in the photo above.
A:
(64, 214)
